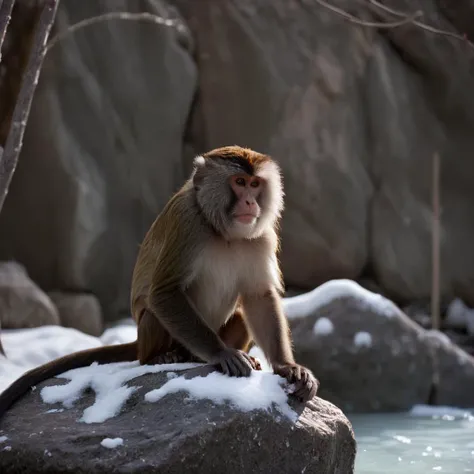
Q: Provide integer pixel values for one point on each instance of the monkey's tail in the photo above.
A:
(102, 355)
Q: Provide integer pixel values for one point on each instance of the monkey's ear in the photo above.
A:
(198, 172)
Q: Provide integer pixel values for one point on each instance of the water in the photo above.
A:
(425, 441)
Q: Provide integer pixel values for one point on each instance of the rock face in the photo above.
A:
(22, 303)
(102, 150)
(175, 435)
(79, 311)
(370, 357)
(354, 115)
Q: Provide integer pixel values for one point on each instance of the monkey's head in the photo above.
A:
(238, 190)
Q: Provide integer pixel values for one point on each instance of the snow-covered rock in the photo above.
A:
(152, 419)
(369, 356)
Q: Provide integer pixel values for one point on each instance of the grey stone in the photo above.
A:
(79, 311)
(22, 303)
(102, 150)
(176, 435)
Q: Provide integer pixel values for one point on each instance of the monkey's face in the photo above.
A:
(239, 195)
(246, 189)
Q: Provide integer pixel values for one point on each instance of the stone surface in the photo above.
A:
(79, 311)
(22, 303)
(367, 354)
(176, 435)
(454, 370)
(354, 115)
(102, 150)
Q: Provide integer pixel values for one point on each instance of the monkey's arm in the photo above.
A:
(264, 314)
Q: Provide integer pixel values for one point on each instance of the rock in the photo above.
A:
(371, 357)
(175, 434)
(102, 150)
(459, 316)
(22, 303)
(412, 116)
(354, 128)
(288, 77)
(454, 369)
(367, 354)
(79, 311)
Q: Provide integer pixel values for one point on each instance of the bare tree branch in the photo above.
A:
(421, 25)
(25, 96)
(6, 8)
(407, 19)
(144, 16)
(435, 259)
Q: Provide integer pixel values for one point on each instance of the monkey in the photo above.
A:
(207, 283)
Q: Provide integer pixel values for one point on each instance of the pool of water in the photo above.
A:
(426, 440)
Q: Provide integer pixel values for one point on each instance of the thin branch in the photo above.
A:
(421, 25)
(6, 8)
(144, 16)
(407, 19)
(25, 96)
(435, 259)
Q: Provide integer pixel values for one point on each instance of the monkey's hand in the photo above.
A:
(233, 362)
(306, 385)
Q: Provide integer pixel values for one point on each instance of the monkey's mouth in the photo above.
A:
(245, 218)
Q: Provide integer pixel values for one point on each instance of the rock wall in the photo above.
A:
(353, 114)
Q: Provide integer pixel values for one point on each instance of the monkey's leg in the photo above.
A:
(153, 340)
(235, 334)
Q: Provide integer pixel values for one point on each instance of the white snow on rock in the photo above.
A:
(111, 443)
(323, 326)
(306, 304)
(260, 391)
(363, 339)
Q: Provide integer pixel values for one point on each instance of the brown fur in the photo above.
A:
(205, 286)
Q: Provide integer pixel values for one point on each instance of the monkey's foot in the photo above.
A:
(305, 384)
(255, 363)
(176, 356)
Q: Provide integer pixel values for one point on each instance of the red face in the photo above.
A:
(247, 189)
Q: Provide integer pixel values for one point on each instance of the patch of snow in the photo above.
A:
(31, 347)
(258, 354)
(260, 391)
(363, 339)
(111, 443)
(438, 335)
(402, 439)
(108, 382)
(7, 448)
(3, 439)
(441, 411)
(307, 304)
(323, 326)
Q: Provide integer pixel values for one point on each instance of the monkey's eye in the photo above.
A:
(240, 182)
(254, 184)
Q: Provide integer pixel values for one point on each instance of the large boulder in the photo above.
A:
(102, 150)
(79, 311)
(164, 423)
(371, 357)
(354, 116)
(22, 303)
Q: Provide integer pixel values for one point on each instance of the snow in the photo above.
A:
(441, 412)
(323, 326)
(260, 391)
(111, 443)
(27, 348)
(308, 303)
(363, 339)
(460, 316)
(3, 439)
(108, 382)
